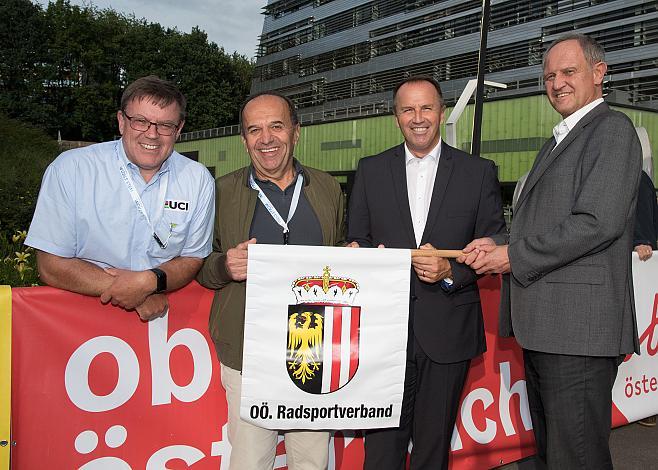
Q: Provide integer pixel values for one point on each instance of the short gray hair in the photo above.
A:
(592, 50)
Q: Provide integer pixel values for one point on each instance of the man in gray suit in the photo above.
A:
(568, 298)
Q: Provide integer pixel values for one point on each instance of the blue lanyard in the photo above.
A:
(272, 210)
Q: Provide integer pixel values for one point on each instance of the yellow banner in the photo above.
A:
(5, 374)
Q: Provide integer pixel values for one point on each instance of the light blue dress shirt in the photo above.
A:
(85, 210)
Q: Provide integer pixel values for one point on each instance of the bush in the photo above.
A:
(25, 152)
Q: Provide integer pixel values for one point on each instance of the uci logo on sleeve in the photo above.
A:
(173, 205)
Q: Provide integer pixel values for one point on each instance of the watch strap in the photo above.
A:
(161, 277)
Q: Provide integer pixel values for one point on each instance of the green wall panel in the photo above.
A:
(514, 128)
(224, 153)
(366, 137)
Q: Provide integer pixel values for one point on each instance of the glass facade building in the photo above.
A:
(337, 57)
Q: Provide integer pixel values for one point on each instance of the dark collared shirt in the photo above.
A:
(304, 226)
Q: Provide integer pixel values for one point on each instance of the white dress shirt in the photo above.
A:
(561, 130)
(421, 173)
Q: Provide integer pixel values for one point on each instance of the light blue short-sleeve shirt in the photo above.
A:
(85, 209)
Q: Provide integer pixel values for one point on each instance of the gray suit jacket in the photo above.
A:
(570, 243)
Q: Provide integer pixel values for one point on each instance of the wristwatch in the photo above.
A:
(162, 280)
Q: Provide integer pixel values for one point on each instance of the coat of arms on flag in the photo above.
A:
(323, 333)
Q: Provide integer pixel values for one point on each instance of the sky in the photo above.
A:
(233, 24)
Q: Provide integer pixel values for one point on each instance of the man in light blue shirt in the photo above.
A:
(131, 219)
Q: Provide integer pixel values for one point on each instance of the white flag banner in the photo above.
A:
(325, 337)
(636, 387)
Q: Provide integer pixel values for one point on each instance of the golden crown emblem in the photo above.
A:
(325, 289)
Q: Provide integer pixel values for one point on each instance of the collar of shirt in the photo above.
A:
(563, 128)
(138, 179)
(433, 156)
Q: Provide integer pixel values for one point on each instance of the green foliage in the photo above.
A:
(64, 68)
(22, 55)
(25, 152)
(18, 267)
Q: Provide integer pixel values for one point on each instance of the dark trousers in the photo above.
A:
(570, 399)
(429, 409)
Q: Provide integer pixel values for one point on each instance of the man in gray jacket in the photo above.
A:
(569, 297)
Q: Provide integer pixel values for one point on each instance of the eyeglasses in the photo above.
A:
(141, 124)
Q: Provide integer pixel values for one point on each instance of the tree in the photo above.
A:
(23, 56)
(64, 68)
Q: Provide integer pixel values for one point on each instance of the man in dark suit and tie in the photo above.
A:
(569, 297)
(424, 193)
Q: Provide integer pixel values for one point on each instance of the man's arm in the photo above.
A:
(180, 271)
(214, 273)
(72, 274)
(644, 237)
(484, 257)
(489, 222)
(224, 268)
(645, 233)
(128, 289)
(599, 214)
(341, 228)
(431, 269)
(131, 288)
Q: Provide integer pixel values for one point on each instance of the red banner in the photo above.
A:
(493, 426)
(94, 387)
